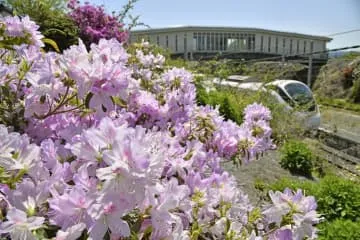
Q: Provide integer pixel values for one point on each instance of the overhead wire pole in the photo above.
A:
(309, 76)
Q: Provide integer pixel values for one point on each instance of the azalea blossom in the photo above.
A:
(19, 226)
(110, 142)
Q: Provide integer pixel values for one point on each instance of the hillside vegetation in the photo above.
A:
(269, 71)
(340, 79)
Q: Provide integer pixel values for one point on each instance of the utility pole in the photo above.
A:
(309, 71)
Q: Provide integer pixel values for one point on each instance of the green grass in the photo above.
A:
(339, 103)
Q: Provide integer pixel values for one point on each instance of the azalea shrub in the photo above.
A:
(107, 143)
(94, 23)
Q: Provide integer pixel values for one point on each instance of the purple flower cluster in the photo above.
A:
(23, 28)
(295, 212)
(94, 23)
(115, 146)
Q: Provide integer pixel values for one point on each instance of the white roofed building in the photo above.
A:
(194, 42)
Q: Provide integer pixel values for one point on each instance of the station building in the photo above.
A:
(194, 42)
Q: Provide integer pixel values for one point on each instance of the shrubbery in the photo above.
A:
(296, 157)
(336, 197)
(339, 229)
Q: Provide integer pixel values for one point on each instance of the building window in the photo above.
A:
(291, 41)
(176, 43)
(262, 43)
(304, 46)
(224, 41)
(277, 45)
(199, 40)
(167, 41)
(217, 42)
(221, 36)
(298, 46)
(235, 44)
(185, 42)
(202, 44)
(253, 42)
(311, 46)
(203, 41)
(212, 42)
(195, 41)
(226, 37)
(236, 40)
(269, 44)
(208, 42)
(284, 45)
(158, 40)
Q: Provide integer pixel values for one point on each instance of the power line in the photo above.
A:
(346, 32)
(302, 55)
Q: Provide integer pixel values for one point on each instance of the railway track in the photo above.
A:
(340, 150)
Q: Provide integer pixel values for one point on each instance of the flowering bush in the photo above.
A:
(112, 145)
(95, 23)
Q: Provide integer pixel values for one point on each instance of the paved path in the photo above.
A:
(343, 122)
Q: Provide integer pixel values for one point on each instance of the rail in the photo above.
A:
(340, 150)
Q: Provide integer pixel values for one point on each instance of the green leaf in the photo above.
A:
(52, 43)
(87, 99)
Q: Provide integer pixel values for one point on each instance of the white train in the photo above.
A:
(294, 95)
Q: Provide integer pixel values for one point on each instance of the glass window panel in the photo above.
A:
(176, 43)
(208, 42)
(212, 41)
(269, 44)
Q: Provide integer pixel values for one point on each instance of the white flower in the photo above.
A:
(71, 233)
(19, 225)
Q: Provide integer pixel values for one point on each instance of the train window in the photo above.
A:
(299, 93)
(284, 96)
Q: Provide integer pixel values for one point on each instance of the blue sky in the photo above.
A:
(318, 17)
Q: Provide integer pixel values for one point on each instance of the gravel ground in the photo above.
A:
(266, 169)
